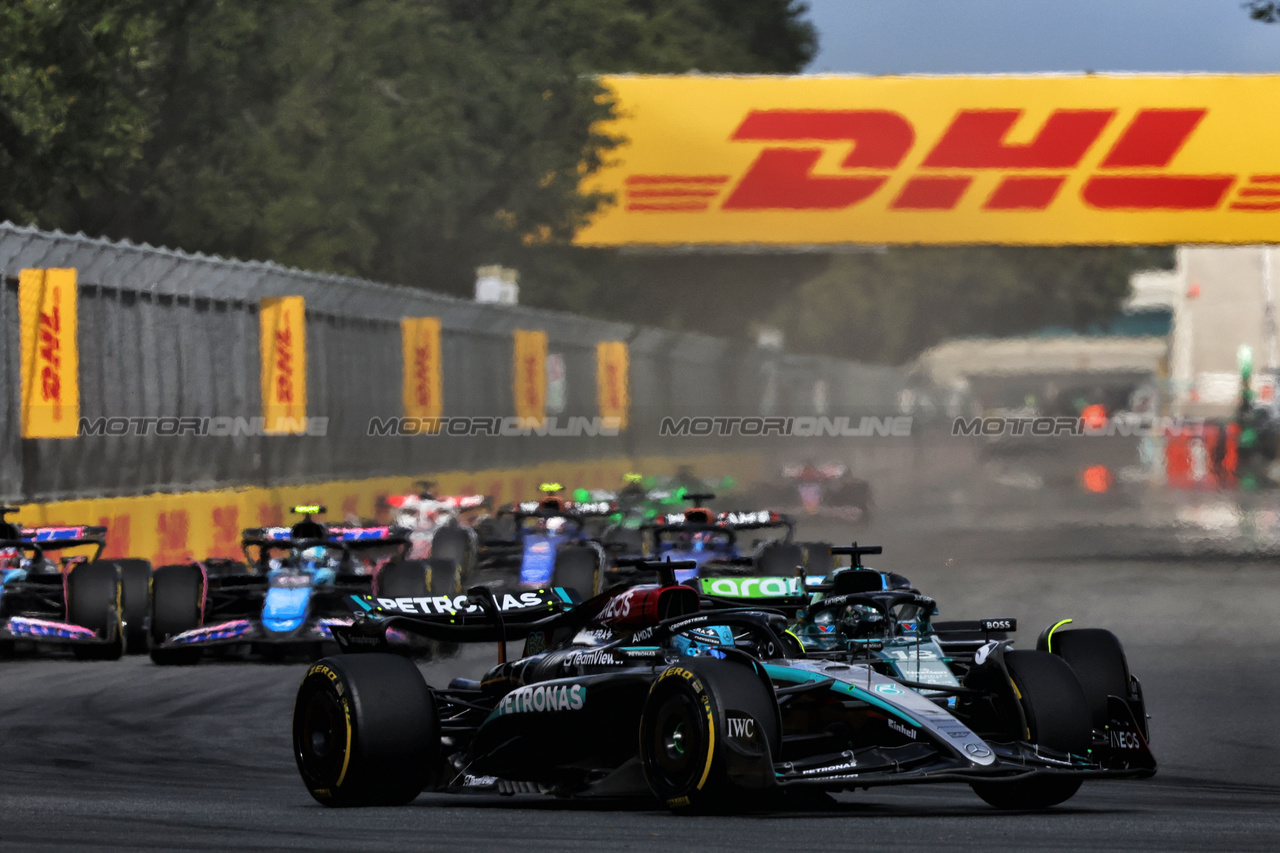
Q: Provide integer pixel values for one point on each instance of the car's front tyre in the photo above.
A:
(1057, 717)
(708, 732)
(1097, 658)
(365, 731)
(135, 603)
(177, 605)
(93, 601)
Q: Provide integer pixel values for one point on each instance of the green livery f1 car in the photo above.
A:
(705, 705)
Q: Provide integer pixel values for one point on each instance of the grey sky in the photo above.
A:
(985, 36)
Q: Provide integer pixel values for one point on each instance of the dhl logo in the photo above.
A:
(50, 391)
(532, 365)
(613, 387)
(420, 339)
(422, 374)
(284, 364)
(283, 349)
(50, 355)
(1135, 174)
(529, 380)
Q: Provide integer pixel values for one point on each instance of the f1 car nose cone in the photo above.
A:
(977, 750)
(285, 610)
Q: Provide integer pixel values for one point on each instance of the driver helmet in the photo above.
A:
(314, 557)
(862, 621)
(699, 641)
(10, 558)
(820, 631)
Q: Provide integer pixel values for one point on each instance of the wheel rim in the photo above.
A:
(677, 742)
(674, 743)
(320, 738)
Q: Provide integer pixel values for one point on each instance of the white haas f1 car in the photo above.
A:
(440, 525)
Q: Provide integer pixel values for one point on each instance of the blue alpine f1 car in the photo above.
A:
(49, 598)
(289, 592)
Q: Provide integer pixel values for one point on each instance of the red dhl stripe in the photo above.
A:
(681, 193)
(677, 179)
(673, 206)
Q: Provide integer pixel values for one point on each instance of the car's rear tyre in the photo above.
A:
(457, 544)
(1057, 715)
(779, 558)
(177, 605)
(365, 731)
(818, 561)
(93, 601)
(627, 541)
(856, 494)
(415, 579)
(692, 712)
(577, 569)
(402, 579)
(135, 603)
(1097, 658)
(500, 528)
(444, 576)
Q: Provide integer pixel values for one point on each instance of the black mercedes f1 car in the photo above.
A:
(659, 690)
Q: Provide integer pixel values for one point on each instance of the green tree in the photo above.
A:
(406, 140)
(890, 306)
(73, 111)
(1267, 11)
(326, 134)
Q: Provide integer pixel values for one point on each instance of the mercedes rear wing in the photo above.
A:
(479, 616)
(482, 615)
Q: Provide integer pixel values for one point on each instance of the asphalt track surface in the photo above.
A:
(127, 755)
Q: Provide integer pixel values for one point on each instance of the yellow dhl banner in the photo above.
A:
(283, 331)
(613, 363)
(422, 383)
(1043, 160)
(50, 360)
(530, 374)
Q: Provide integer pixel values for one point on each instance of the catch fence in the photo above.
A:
(167, 334)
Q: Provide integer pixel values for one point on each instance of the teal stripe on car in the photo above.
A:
(783, 673)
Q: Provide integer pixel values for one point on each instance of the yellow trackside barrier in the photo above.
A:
(175, 528)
